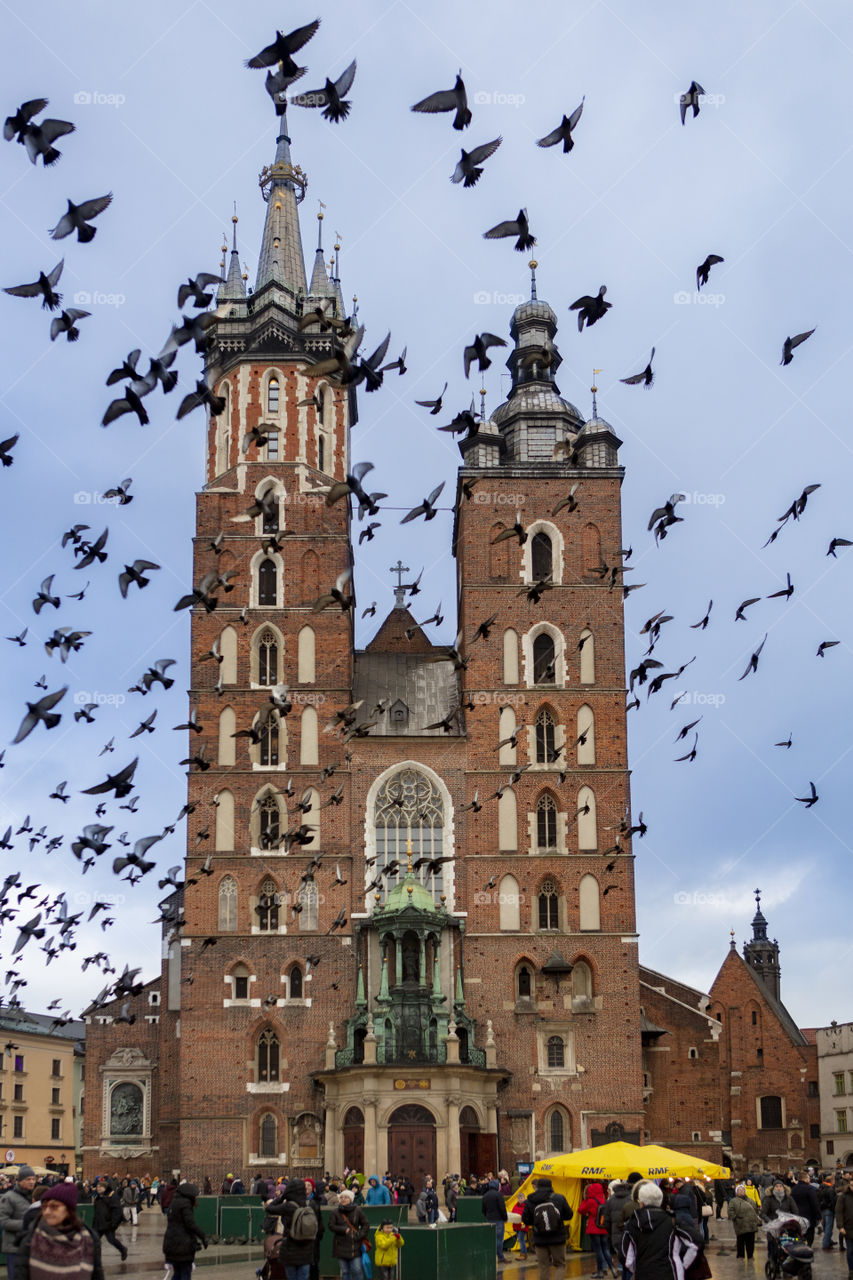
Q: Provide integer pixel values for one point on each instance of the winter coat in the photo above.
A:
(590, 1205)
(613, 1207)
(844, 1212)
(106, 1212)
(539, 1196)
(771, 1207)
(683, 1206)
(13, 1205)
(350, 1228)
(237, 1188)
(493, 1205)
(451, 1197)
(22, 1260)
(655, 1249)
(388, 1245)
(182, 1236)
(295, 1253)
(753, 1194)
(377, 1193)
(826, 1197)
(805, 1197)
(743, 1215)
(129, 1196)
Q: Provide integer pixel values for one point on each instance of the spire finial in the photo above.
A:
(320, 226)
(757, 893)
(594, 390)
(409, 868)
(399, 591)
(533, 264)
(732, 944)
(482, 404)
(234, 229)
(338, 239)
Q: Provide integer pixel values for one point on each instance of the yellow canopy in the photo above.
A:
(569, 1172)
(11, 1171)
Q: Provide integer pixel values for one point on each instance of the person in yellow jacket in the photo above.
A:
(388, 1242)
(752, 1192)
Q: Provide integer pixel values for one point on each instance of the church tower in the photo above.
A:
(762, 954)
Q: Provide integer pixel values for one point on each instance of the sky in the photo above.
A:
(170, 121)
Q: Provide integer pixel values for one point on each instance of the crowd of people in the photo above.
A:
(638, 1229)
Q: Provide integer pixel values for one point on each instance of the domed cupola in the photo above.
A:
(597, 443)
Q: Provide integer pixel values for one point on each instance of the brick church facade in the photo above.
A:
(426, 976)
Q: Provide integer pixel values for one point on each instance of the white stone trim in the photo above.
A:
(268, 1086)
(557, 551)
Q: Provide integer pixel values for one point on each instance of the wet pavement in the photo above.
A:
(240, 1262)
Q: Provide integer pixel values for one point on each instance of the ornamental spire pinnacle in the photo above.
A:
(283, 185)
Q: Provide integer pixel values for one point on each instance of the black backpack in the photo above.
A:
(546, 1218)
(599, 1217)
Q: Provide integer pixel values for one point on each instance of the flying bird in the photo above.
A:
(39, 139)
(455, 99)
(752, 665)
(590, 308)
(45, 287)
(282, 50)
(16, 124)
(65, 323)
(704, 269)
(788, 346)
(477, 351)
(787, 591)
(78, 218)
(824, 645)
(810, 799)
(691, 754)
(6, 447)
(703, 622)
(469, 167)
(691, 99)
(198, 289)
(563, 131)
(427, 508)
(121, 783)
(434, 406)
(41, 710)
(332, 97)
(647, 377)
(519, 227)
(836, 542)
(740, 616)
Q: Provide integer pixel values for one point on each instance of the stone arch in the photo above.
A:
(228, 903)
(510, 664)
(272, 409)
(587, 822)
(267, 821)
(308, 737)
(228, 653)
(558, 1130)
(524, 979)
(586, 730)
(583, 990)
(545, 735)
(264, 525)
(306, 659)
(590, 904)
(547, 905)
(587, 660)
(271, 751)
(509, 904)
(266, 655)
(531, 670)
(506, 727)
(533, 549)
(447, 831)
(295, 982)
(225, 822)
(227, 752)
(508, 822)
(547, 832)
(259, 580)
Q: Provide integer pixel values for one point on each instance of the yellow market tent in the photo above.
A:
(571, 1171)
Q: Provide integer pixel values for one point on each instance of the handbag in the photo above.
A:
(366, 1264)
(706, 1211)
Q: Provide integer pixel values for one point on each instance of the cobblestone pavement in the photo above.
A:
(236, 1262)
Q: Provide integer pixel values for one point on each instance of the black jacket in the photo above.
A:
(106, 1212)
(805, 1198)
(494, 1206)
(182, 1236)
(22, 1259)
(612, 1213)
(350, 1229)
(654, 1248)
(539, 1196)
(295, 1253)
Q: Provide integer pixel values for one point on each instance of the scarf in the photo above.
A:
(61, 1255)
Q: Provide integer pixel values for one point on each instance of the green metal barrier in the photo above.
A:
(468, 1209)
(453, 1248)
(84, 1213)
(241, 1221)
(207, 1214)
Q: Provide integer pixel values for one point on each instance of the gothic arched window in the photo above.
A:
(269, 1050)
(524, 983)
(267, 582)
(544, 737)
(267, 908)
(556, 1051)
(546, 823)
(267, 1142)
(556, 1129)
(548, 902)
(272, 396)
(409, 807)
(541, 557)
(309, 900)
(544, 659)
(271, 519)
(294, 983)
(228, 905)
(268, 823)
(268, 747)
(267, 658)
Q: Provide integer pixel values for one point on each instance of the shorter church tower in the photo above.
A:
(761, 954)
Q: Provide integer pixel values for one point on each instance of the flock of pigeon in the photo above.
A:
(53, 925)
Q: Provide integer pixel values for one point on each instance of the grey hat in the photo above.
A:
(25, 1172)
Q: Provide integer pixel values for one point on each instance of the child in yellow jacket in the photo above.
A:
(388, 1243)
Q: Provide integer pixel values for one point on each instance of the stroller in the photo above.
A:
(787, 1253)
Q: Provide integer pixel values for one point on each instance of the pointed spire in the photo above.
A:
(533, 264)
(234, 286)
(482, 404)
(321, 286)
(594, 390)
(283, 185)
(359, 990)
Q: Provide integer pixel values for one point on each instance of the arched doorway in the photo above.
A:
(411, 1143)
(354, 1139)
(478, 1151)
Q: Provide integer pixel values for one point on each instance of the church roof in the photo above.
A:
(391, 636)
(409, 893)
(419, 691)
(281, 257)
(792, 1030)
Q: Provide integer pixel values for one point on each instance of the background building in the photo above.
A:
(835, 1081)
(39, 1065)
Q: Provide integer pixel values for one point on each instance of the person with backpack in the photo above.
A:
(493, 1209)
(653, 1247)
(597, 1231)
(301, 1229)
(547, 1212)
(183, 1236)
(351, 1231)
(107, 1214)
(13, 1205)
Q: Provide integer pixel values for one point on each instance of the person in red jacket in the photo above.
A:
(599, 1236)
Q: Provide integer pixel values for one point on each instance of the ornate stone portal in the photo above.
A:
(126, 1104)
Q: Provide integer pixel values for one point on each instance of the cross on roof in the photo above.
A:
(399, 591)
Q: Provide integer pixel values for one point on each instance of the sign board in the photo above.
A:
(10, 1156)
